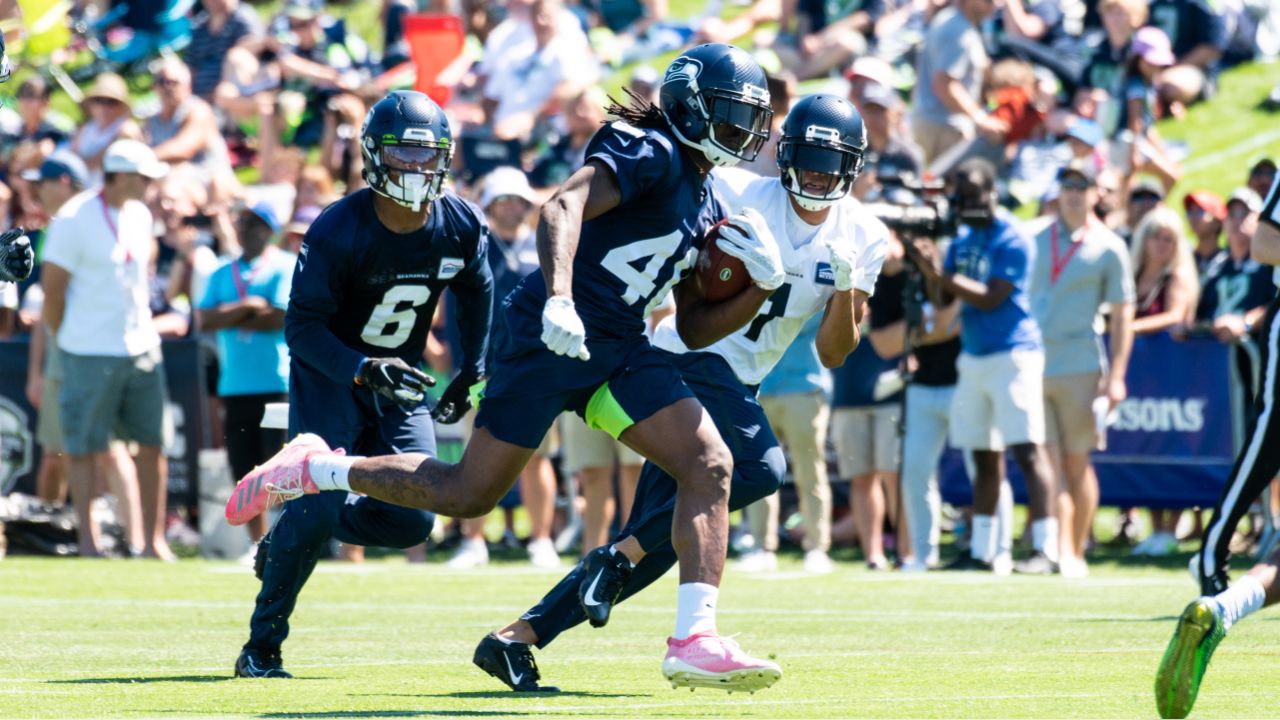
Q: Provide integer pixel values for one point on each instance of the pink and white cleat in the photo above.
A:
(710, 661)
(282, 478)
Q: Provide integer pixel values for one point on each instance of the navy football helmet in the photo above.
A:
(822, 134)
(716, 100)
(406, 133)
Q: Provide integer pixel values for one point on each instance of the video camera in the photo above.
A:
(914, 208)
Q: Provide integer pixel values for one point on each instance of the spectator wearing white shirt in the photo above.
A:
(96, 283)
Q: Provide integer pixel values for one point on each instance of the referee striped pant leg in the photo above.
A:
(1257, 463)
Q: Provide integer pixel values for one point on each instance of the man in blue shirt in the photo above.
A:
(998, 400)
(244, 304)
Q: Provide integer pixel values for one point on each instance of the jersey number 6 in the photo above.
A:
(386, 315)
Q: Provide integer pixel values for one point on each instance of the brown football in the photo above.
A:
(721, 275)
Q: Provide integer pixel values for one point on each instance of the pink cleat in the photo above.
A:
(282, 478)
(710, 661)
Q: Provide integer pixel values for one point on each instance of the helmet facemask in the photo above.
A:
(829, 166)
(420, 169)
(735, 126)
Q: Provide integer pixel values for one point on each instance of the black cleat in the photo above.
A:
(512, 663)
(1037, 564)
(967, 562)
(604, 574)
(258, 664)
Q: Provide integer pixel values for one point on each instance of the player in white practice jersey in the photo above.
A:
(832, 249)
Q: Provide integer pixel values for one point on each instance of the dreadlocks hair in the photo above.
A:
(638, 112)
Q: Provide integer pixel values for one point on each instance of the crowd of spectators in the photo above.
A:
(255, 120)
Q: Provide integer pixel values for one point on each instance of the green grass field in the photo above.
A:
(118, 639)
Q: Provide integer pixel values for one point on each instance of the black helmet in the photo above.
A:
(716, 99)
(822, 134)
(409, 129)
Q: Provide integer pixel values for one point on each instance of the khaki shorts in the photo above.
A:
(49, 419)
(1068, 413)
(866, 439)
(105, 396)
(999, 400)
(586, 448)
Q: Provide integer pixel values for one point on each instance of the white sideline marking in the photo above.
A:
(1207, 160)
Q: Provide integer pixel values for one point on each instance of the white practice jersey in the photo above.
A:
(753, 350)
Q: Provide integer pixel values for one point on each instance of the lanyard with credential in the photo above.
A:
(1060, 263)
(111, 225)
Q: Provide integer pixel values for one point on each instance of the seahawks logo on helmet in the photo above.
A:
(16, 444)
(715, 100)
(406, 135)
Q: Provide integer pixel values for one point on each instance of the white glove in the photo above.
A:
(562, 330)
(844, 262)
(748, 238)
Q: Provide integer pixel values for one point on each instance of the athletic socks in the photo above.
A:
(1044, 537)
(983, 545)
(329, 472)
(695, 609)
(1245, 596)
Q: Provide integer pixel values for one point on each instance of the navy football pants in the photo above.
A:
(758, 469)
(364, 424)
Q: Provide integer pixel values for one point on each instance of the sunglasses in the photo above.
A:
(1238, 212)
(167, 82)
(1147, 198)
(1077, 184)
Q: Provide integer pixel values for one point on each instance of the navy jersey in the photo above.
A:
(1233, 288)
(630, 257)
(360, 290)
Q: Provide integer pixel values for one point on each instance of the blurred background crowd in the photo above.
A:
(256, 108)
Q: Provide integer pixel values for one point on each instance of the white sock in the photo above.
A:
(1245, 596)
(1004, 520)
(695, 609)
(614, 551)
(1044, 537)
(983, 545)
(329, 472)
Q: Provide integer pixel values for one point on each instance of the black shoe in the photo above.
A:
(968, 562)
(604, 574)
(512, 663)
(260, 556)
(258, 664)
(1037, 564)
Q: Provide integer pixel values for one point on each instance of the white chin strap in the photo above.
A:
(814, 204)
(712, 151)
(412, 193)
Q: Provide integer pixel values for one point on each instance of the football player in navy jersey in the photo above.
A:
(612, 241)
(832, 249)
(369, 274)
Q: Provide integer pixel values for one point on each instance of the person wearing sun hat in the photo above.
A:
(110, 119)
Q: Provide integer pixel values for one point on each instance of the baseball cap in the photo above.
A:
(1082, 167)
(1244, 195)
(869, 67)
(1147, 186)
(109, 86)
(132, 156)
(59, 165)
(303, 9)
(505, 181)
(1210, 202)
(1152, 45)
(302, 219)
(1086, 131)
(882, 95)
(263, 212)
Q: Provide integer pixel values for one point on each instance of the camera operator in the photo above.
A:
(897, 309)
(998, 399)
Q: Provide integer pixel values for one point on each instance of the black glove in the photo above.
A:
(395, 380)
(456, 399)
(16, 257)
